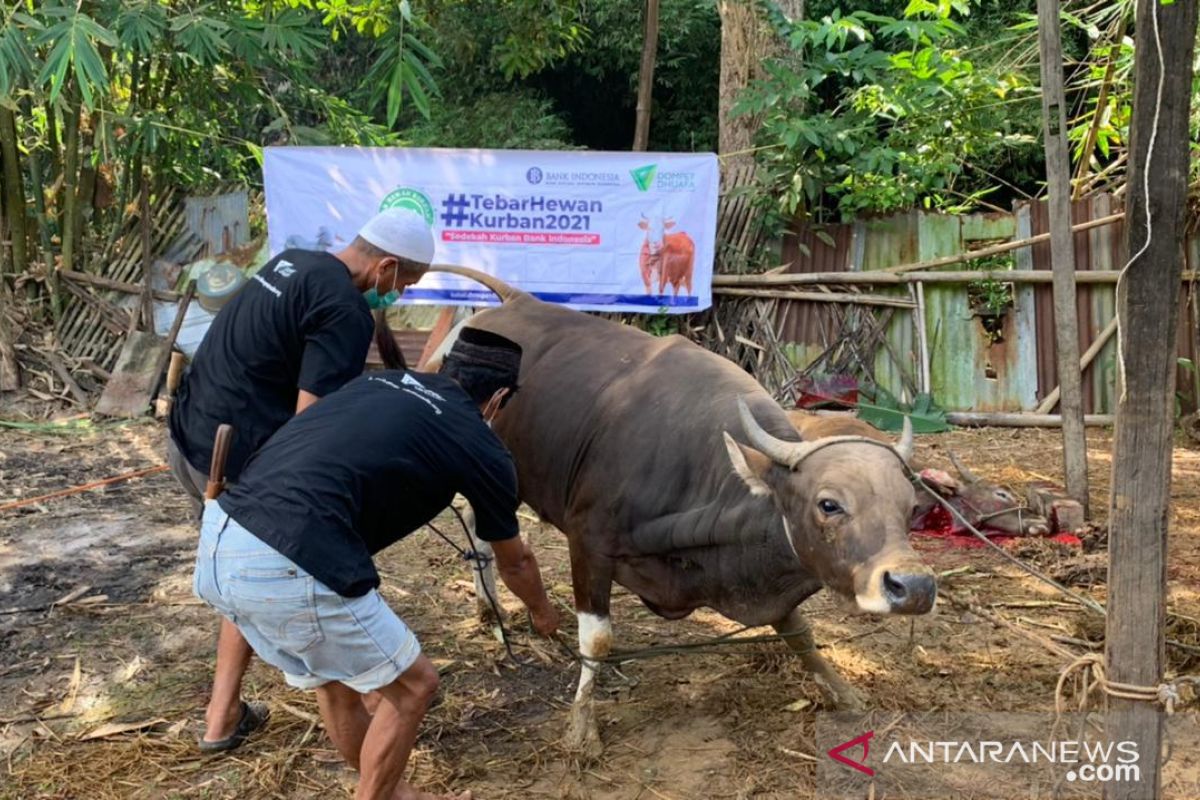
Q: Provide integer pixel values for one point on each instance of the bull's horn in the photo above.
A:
(964, 473)
(777, 450)
(904, 448)
(502, 289)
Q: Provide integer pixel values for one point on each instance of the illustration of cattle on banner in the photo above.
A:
(668, 258)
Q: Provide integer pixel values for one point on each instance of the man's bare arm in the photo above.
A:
(519, 570)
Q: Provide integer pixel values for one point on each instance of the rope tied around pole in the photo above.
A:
(1091, 667)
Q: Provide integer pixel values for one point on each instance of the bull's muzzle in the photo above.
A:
(895, 587)
(909, 592)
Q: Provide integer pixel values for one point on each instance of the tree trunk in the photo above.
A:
(86, 192)
(1148, 307)
(66, 225)
(14, 192)
(641, 134)
(747, 40)
(10, 368)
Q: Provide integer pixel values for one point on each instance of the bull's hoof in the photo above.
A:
(486, 614)
(841, 695)
(583, 735)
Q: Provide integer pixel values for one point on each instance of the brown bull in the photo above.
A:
(675, 474)
(982, 503)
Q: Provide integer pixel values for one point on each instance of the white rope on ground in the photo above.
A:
(1162, 73)
(1091, 667)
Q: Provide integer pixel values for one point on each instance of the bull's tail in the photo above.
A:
(502, 289)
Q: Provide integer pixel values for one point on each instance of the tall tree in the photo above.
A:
(747, 40)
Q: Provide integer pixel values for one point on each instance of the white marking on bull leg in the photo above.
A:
(483, 572)
(595, 641)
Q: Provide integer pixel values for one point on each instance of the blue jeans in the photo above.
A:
(293, 621)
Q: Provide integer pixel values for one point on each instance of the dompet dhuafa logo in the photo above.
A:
(643, 177)
(412, 199)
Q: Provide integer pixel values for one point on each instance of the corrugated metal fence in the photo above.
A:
(970, 369)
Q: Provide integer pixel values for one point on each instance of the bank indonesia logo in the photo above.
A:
(534, 175)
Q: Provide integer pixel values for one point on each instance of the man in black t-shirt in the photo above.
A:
(286, 554)
(299, 330)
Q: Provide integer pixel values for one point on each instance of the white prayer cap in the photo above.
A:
(400, 232)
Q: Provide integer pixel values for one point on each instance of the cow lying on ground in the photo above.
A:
(982, 503)
(674, 473)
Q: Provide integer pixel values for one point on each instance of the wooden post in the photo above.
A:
(641, 134)
(1148, 307)
(1062, 251)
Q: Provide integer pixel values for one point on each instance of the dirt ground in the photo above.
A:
(102, 697)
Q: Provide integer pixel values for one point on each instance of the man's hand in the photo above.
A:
(519, 570)
(545, 621)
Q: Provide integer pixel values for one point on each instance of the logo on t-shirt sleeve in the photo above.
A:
(285, 268)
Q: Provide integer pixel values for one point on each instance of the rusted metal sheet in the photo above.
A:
(221, 221)
(1092, 302)
(967, 370)
(808, 328)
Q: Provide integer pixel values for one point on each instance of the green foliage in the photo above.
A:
(887, 413)
(506, 119)
(595, 87)
(870, 113)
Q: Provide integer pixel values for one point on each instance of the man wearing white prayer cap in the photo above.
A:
(299, 330)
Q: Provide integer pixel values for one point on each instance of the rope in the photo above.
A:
(480, 562)
(1162, 73)
(1091, 667)
(137, 473)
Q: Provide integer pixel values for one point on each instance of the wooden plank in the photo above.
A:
(1062, 250)
(1025, 315)
(1148, 307)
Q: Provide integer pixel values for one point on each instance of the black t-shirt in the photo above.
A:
(367, 466)
(298, 324)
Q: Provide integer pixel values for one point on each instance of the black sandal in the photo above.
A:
(254, 716)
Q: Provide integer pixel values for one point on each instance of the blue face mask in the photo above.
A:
(376, 301)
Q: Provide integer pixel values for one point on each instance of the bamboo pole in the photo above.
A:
(118, 286)
(1019, 419)
(892, 279)
(1093, 350)
(819, 297)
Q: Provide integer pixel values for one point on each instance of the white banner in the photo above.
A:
(594, 231)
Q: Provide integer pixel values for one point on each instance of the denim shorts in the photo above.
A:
(293, 621)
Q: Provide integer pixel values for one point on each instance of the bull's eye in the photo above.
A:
(1005, 496)
(829, 507)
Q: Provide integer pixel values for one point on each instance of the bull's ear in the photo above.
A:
(750, 465)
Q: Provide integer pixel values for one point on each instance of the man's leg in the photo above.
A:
(379, 746)
(225, 705)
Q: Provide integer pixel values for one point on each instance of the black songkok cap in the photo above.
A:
(476, 347)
